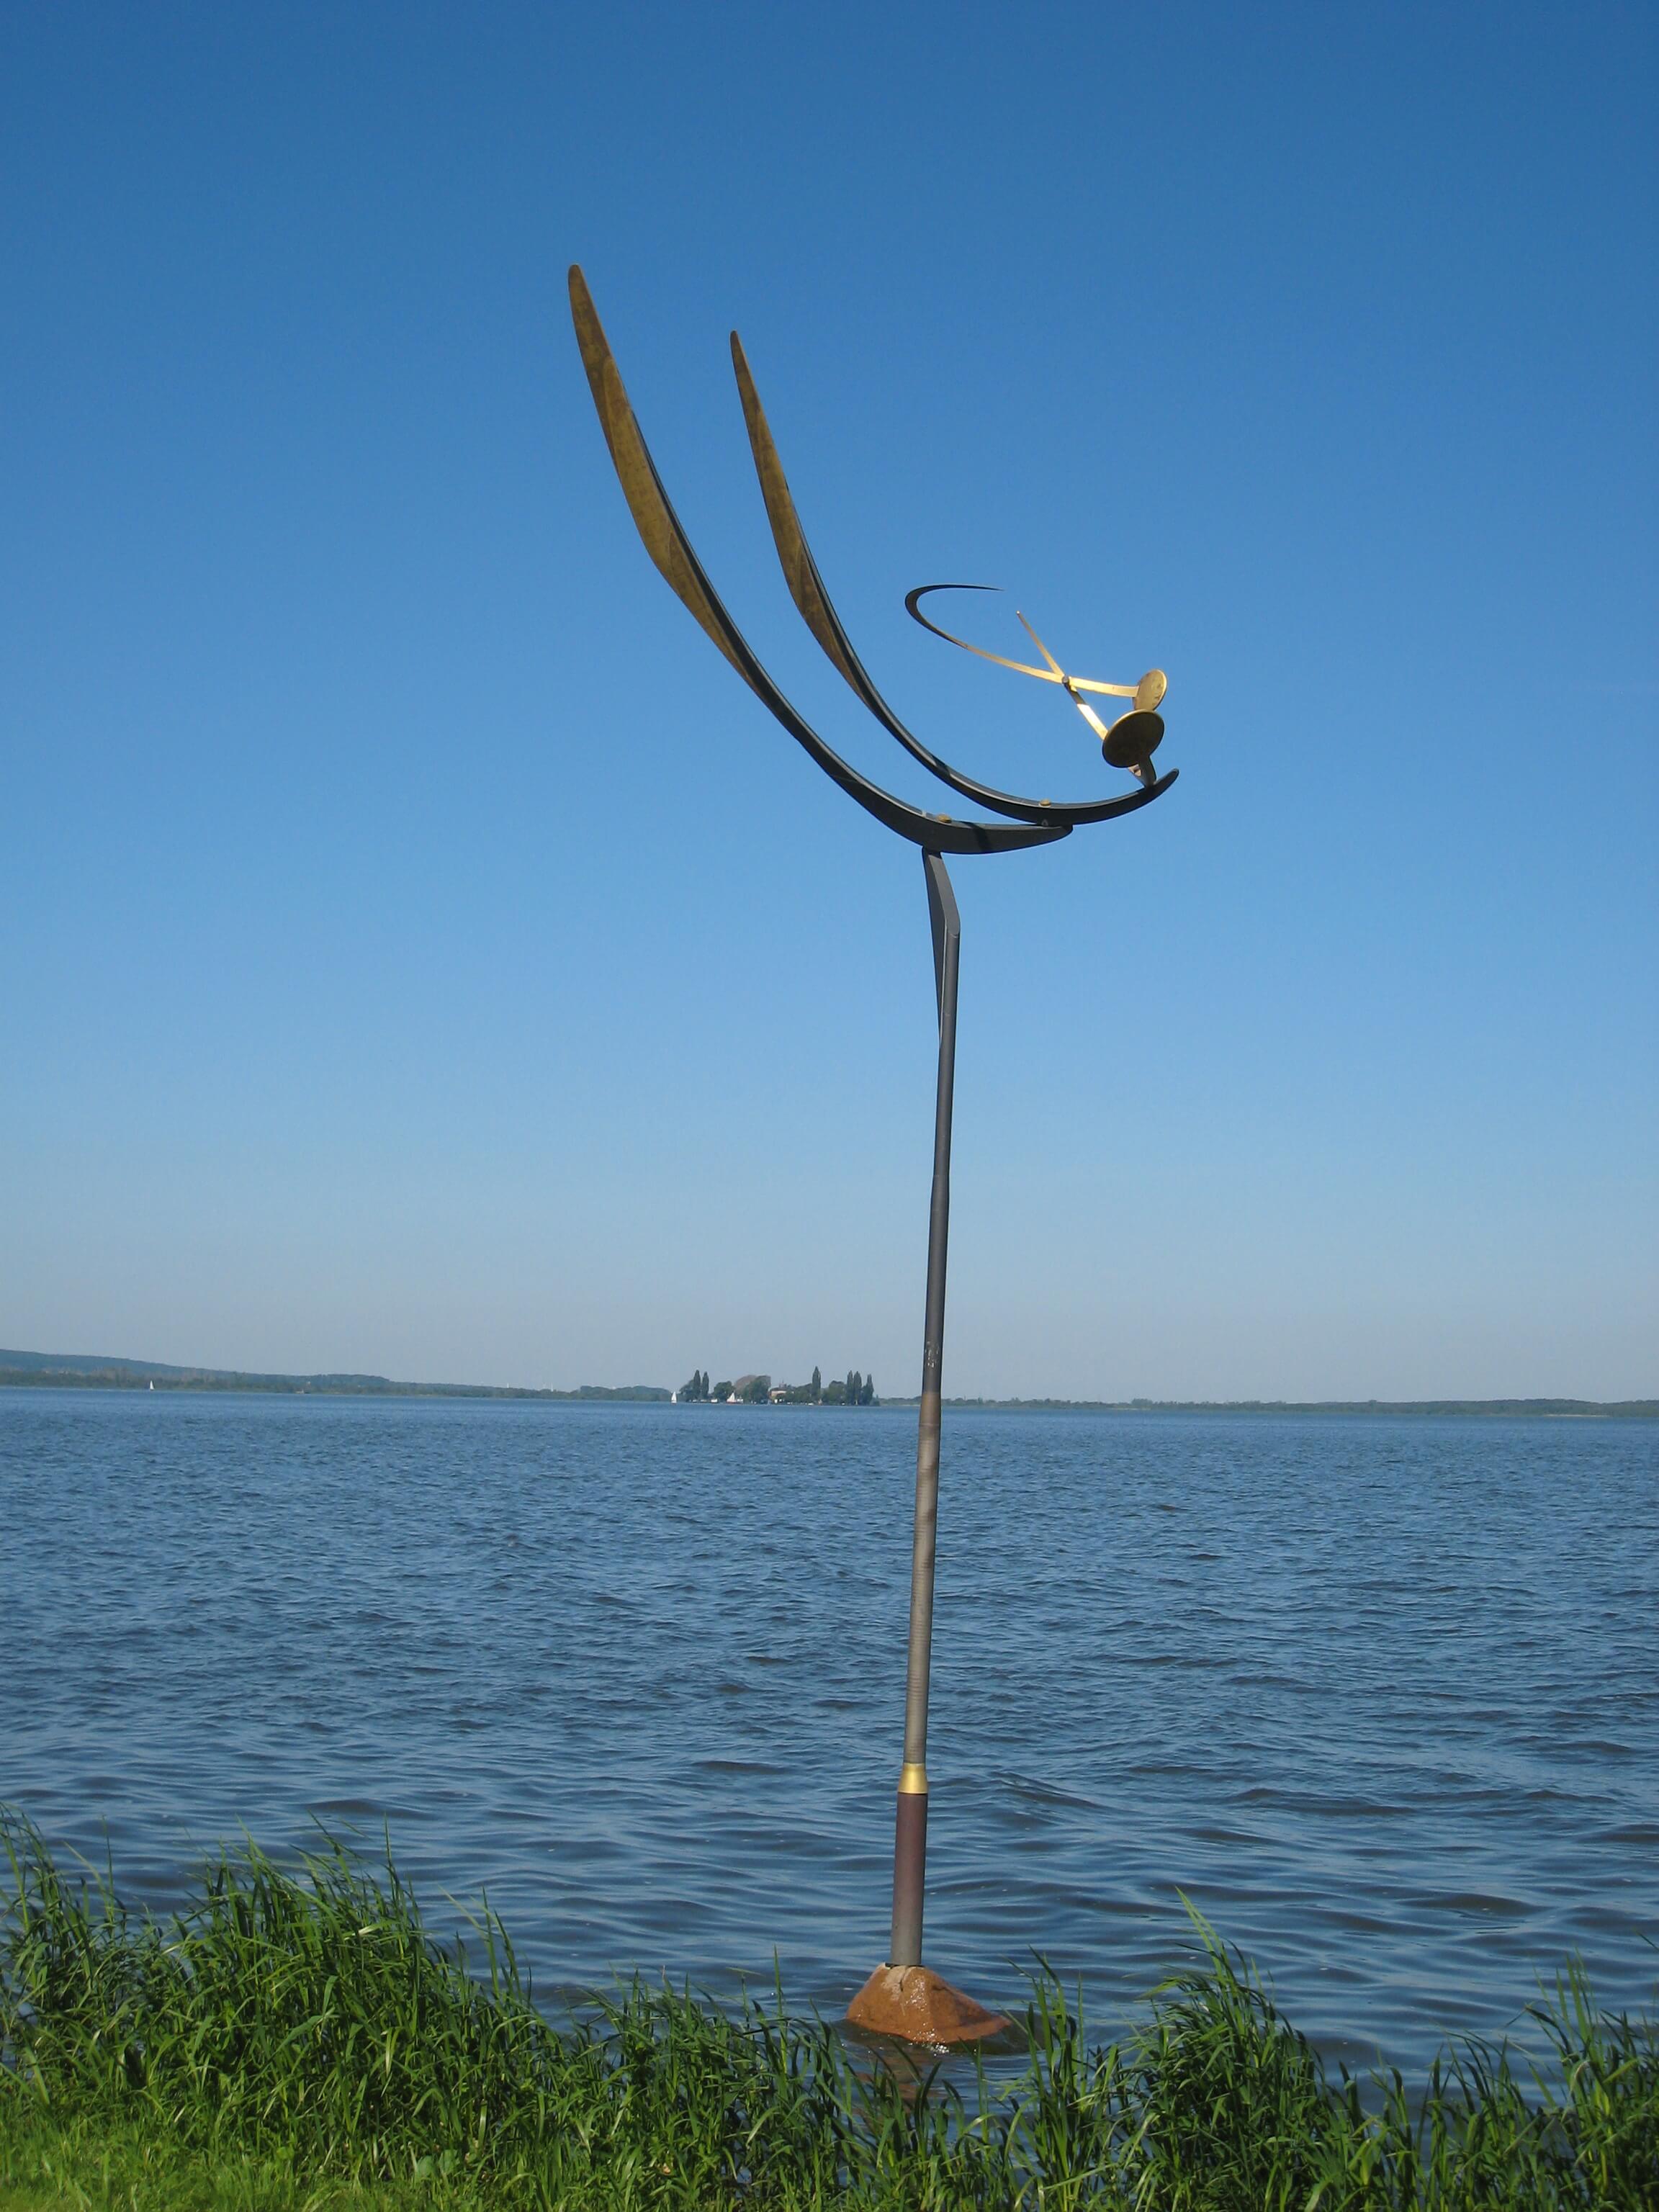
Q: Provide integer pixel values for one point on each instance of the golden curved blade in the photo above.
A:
(800, 571)
(647, 502)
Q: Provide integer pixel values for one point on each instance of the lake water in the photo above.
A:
(1379, 1696)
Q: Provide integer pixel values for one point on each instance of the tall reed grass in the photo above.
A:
(306, 2019)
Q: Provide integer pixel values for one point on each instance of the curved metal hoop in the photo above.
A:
(1054, 674)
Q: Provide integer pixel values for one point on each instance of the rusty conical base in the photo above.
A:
(916, 2005)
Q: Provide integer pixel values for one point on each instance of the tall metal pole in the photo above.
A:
(910, 1837)
(901, 1998)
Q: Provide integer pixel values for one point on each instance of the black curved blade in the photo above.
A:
(800, 573)
(666, 543)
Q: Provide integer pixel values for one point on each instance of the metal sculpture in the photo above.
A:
(902, 1997)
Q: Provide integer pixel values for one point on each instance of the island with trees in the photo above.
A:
(761, 1390)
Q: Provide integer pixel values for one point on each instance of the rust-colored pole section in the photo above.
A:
(910, 1837)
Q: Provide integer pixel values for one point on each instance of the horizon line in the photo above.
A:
(36, 1370)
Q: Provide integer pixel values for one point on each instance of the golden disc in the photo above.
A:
(1134, 737)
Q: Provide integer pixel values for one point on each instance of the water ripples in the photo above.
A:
(1378, 1696)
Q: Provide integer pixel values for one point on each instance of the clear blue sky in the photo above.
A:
(422, 955)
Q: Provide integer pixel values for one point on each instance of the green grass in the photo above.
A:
(297, 2042)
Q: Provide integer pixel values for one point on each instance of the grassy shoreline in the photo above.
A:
(298, 2039)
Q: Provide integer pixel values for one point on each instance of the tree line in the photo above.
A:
(858, 1389)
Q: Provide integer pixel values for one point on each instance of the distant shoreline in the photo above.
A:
(1496, 1409)
(70, 1370)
